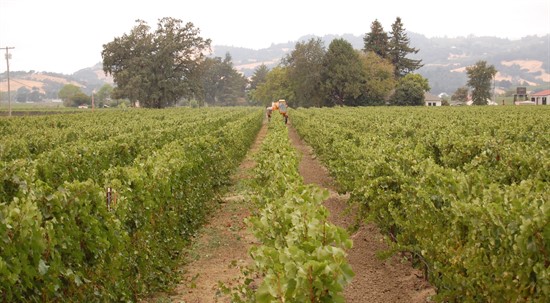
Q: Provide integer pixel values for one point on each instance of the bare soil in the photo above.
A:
(221, 249)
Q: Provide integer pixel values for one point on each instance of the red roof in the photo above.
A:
(545, 92)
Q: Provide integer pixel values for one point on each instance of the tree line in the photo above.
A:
(170, 65)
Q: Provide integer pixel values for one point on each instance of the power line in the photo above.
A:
(23, 84)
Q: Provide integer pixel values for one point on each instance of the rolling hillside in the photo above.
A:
(524, 62)
(49, 84)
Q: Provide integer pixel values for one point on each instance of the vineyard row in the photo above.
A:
(60, 241)
(463, 191)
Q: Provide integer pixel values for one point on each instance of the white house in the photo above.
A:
(541, 98)
(431, 100)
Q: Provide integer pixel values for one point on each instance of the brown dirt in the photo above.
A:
(375, 280)
(222, 247)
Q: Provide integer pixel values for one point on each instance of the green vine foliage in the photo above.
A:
(61, 242)
(464, 191)
(302, 257)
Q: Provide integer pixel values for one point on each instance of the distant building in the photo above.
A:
(521, 94)
(541, 98)
(431, 100)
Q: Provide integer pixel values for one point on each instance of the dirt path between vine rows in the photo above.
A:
(375, 281)
(221, 248)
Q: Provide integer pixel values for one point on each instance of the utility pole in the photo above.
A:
(8, 57)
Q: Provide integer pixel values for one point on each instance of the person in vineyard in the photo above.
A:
(281, 107)
(269, 110)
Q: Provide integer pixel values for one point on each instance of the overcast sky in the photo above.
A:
(67, 35)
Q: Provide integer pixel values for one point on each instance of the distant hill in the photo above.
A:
(518, 62)
(49, 84)
(523, 62)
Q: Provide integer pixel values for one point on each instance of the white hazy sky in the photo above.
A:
(67, 35)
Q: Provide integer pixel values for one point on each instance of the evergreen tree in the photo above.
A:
(480, 76)
(377, 40)
(232, 84)
(399, 49)
(259, 76)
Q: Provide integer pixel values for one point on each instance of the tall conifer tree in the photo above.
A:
(377, 40)
(399, 49)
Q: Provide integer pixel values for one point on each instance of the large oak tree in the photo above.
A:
(154, 67)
